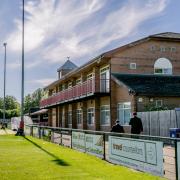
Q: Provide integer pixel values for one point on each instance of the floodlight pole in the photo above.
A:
(22, 81)
(4, 108)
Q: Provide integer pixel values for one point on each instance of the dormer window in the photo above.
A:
(162, 66)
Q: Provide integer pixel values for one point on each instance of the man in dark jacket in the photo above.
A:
(117, 128)
(136, 124)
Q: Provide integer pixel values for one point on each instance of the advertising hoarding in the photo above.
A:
(78, 141)
(56, 137)
(27, 130)
(94, 144)
(66, 140)
(138, 154)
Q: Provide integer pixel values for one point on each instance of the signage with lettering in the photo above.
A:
(94, 144)
(36, 131)
(78, 141)
(138, 154)
(178, 159)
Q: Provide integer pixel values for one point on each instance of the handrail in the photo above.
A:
(84, 89)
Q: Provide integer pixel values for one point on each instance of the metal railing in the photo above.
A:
(78, 91)
(82, 141)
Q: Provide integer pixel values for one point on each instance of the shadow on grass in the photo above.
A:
(56, 159)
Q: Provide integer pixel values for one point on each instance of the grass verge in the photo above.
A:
(31, 158)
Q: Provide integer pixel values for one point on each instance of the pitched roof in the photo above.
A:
(67, 65)
(41, 111)
(166, 35)
(171, 35)
(150, 85)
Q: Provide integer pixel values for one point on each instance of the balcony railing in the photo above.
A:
(87, 88)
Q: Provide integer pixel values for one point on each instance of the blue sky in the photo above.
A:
(81, 29)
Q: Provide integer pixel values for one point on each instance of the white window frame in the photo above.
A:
(173, 49)
(163, 69)
(105, 71)
(79, 116)
(105, 109)
(132, 66)
(122, 121)
(163, 49)
(159, 101)
(91, 110)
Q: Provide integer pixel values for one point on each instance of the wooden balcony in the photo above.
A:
(85, 89)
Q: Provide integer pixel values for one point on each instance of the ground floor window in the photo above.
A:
(124, 112)
(105, 115)
(69, 117)
(79, 116)
(90, 116)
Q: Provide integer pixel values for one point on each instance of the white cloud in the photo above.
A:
(57, 29)
(42, 82)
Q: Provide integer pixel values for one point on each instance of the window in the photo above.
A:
(105, 114)
(140, 99)
(79, 116)
(132, 66)
(124, 112)
(173, 49)
(162, 49)
(69, 117)
(162, 66)
(104, 79)
(90, 116)
(153, 48)
(159, 103)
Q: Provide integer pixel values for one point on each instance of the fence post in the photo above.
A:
(71, 138)
(31, 130)
(104, 141)
(176, 160)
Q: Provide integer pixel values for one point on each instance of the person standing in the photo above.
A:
(136, 124)
(117, 128)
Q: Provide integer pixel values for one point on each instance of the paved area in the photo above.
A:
(6, 131)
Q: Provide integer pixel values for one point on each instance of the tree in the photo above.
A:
(32, 100)
(11, 105)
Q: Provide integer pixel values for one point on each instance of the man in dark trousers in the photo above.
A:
(117, 128)
(136, 124)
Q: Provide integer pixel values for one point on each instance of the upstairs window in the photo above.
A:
(132, 65)
(162, 66)
(104, 79)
